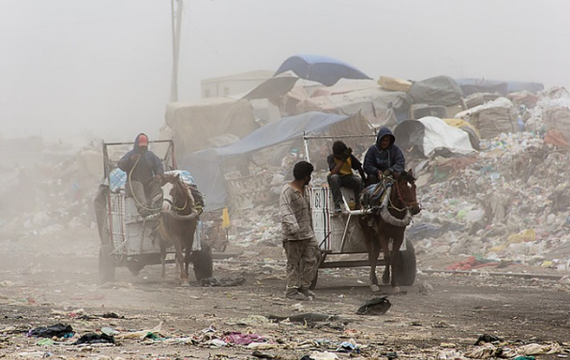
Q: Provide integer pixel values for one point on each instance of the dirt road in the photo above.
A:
(52, 278)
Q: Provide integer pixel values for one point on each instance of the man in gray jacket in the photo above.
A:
(299, 242)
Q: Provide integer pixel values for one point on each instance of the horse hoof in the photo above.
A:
(396, 290)
(374, 288)
(185, 284)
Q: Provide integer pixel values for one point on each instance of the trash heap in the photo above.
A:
(50, 195)
(509, 203)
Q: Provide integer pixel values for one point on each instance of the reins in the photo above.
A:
(401, 198)
(172, 203)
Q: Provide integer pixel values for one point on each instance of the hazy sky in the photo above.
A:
(76, 69)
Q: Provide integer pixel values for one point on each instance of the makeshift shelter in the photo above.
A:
(322, 69)
(274, 87)
(344, 86)
(439, 90)
(193, 123)
(207, 166)
(377, 105)
(471, 86)
(430, 136)
(492, 118)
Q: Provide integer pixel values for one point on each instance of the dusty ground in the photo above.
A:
(52, 278)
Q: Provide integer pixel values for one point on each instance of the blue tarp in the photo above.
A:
(321, 69)
(206, 165)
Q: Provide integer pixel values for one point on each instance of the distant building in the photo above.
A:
(236, 84)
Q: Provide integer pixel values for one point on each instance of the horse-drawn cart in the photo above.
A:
(341, 237)
(128, 239)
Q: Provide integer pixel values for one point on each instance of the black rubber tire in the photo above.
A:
(203, 263)
(106, 264)
(407, 265)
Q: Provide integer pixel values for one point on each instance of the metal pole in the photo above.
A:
(176, 27)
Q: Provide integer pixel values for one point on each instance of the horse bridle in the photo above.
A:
(174, 206)
(407, 205)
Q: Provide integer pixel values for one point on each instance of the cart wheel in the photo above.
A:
(407, 265)
(203, 263)
(106, 263)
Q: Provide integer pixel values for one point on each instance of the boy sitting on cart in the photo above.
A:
(341, 163)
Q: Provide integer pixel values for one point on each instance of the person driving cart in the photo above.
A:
(384, 158)
(142, 166)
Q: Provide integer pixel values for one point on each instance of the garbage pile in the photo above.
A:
(48, 195)
(508, 203)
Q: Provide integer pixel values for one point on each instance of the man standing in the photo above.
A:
(384, 157)
(299, 242)
(141, 166)
(341, 163)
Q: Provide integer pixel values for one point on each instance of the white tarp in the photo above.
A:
(430, 135)
(440, 135)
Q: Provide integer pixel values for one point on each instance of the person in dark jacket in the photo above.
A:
(142, 166)
(384, 157)
(341, 163)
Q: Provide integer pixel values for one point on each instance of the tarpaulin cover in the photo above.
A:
(206, 165)
(439, 90)
(322, 69)
(374, 103)
(492, 118)
(504, 87)
(193, 123)
(273, 88)
(431, 135)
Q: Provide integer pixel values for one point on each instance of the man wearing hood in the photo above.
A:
(384, 157)
(141, 166)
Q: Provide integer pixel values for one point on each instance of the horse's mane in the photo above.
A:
(404, 175)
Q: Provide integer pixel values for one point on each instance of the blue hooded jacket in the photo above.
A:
(390, 158)
(148, 166)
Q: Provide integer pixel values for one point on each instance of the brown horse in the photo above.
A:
(177, 223)
(399, 204)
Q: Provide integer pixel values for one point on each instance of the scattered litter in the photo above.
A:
(229, 281)
(140, 334)
(305, 317)
(375, 306)
(243, 339)
(486, 338)
(316, 355)
(57, 330)
(93, 338)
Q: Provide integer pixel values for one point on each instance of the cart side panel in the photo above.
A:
(129, 235)
(330, 228)
(139, 232)
(320, 207)
(117, 214)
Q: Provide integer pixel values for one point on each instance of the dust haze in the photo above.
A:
(81, 70)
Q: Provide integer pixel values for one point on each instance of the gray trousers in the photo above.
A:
(349, 181)
(142, 196)
(303, 257)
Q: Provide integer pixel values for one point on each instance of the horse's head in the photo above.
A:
(406, 191)
(167, 185)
